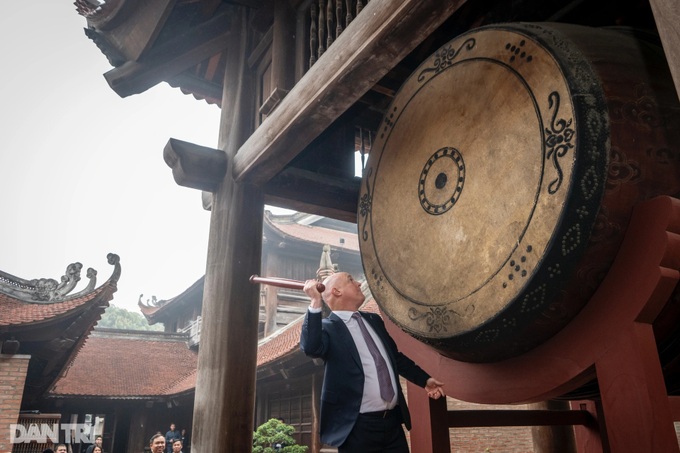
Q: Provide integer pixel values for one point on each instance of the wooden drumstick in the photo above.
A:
(283, 282)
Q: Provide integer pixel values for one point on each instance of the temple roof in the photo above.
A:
(280, 343)
(185, 38)
(41, 318)
(127, 365)
(16, 313)
(39, 301)
(287, 340)
(154, 310)
(312, 229)
(115, 364)
(299, 227)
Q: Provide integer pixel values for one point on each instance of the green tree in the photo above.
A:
(275, 436)
(120, 318)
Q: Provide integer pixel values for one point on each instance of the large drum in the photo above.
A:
(502, 179)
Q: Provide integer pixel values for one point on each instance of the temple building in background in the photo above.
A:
(43, 327)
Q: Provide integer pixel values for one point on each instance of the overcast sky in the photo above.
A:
(81, 169)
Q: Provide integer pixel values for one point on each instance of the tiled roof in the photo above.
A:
(287, 340)
(111, 366)
(129, 366)
(14, 312)
(280, 343)
(185, 383)
(24, 303)
(153, 313)
(319, 235)
(147, 310)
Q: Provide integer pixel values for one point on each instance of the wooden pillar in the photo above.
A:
(634, 399)
(283, 46)
(316, 403)
(552, 439)
(590, 439)
(116, 416)
(667, 15)
(225, 389)
(430, 430)
(140, 431)
(271, 303)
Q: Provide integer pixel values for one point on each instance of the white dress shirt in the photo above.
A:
(371, 400)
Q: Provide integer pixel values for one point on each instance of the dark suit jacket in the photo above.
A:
(343, 383)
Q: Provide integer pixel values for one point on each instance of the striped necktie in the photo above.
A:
(386, 388)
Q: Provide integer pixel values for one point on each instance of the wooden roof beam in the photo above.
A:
(310, 192)
(379, 38)
(173, 56)
(195, 166)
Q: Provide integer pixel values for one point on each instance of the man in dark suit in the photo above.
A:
(358, 413)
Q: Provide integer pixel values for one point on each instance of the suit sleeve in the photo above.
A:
(313, 339)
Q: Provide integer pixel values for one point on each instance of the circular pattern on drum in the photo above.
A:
(441, 181)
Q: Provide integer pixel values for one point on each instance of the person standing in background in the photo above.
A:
(172, 435)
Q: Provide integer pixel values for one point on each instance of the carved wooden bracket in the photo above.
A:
(198, 167)
(273, 100)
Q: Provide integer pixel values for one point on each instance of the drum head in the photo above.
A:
(465, 190)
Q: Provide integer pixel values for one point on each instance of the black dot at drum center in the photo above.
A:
(440, 181)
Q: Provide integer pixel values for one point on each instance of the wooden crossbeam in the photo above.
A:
(378, 39)
(477, 418)
(310, 192)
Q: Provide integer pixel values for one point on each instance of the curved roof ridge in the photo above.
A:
(49, 290)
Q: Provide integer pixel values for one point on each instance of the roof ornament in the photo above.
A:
(326, 266)
(48, 290)
(153, 302)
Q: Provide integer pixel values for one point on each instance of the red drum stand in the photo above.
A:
(611, 339)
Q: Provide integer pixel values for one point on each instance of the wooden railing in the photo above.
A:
(193, 329)
(328, 19)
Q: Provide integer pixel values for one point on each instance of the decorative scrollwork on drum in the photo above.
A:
(665, 155)
(444, 57)
(487, 336)
(590, 183)
(534, 300)
(438, 195)
(436, 318)
(558, 140)
(492, 334)
(365, 204)
(622, 170)
(641, 112)
(571, 240)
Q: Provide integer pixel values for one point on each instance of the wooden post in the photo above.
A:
(590, 438)
(271, 303)
(555, 438)
(225, 389)
(666, 15)
(283, 47)
(316, 403)
(430, 430)
(634, 399)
